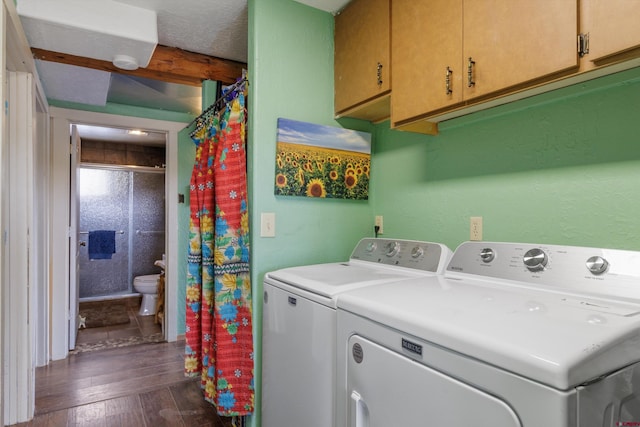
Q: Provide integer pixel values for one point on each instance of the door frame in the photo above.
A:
(61, 121)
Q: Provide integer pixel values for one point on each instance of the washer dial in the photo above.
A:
(597, 265)
(371, 246)
(535, 259)
(392, 248)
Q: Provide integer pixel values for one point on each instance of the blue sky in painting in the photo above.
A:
(296, 132)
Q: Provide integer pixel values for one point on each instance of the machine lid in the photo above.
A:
(373, 261)
(562, 340)
(329, 280)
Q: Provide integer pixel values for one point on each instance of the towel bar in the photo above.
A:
(86, 232)
(149, 232)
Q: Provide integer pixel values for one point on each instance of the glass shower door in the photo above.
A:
(104, 205)
(130, 201)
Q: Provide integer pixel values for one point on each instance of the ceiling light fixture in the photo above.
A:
(137, 132)
(125, 62)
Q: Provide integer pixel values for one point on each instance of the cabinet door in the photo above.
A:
(426, 39)
(361, 43)
(614, 30)
(518, 42)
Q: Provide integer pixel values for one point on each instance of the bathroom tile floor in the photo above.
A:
(139, 330)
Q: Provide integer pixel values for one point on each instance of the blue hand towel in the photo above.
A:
(102, 244)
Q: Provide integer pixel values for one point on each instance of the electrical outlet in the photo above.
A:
(475, 228)
(378, 223)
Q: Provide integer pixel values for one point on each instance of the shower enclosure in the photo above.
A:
(131, 201)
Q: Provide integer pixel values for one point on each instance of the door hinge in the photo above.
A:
(583, 44)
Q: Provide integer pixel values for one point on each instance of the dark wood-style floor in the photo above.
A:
(132, 386)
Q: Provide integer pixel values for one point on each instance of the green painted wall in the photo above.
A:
(291, 76)
(559, 168)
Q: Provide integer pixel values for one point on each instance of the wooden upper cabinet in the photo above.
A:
(513, 43)
(363, 60)
(427, 57)
(448, 55)
(613, 27)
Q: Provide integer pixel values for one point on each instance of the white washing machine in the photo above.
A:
(299, 324)
(511, 335)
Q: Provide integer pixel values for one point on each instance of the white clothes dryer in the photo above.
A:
(299, 324)
(511, 335)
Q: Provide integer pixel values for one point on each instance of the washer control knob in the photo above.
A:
(487, 255)
(597, 265)
(417, 252)
(535, 259)
(392, 248)
(371, 246)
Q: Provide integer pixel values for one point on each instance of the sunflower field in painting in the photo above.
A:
(312, 171)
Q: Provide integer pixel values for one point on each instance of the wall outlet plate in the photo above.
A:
(475, 228)
(378, 223)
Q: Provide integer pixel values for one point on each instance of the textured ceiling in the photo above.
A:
(211, 27)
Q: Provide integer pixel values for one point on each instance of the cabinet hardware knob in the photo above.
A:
(447, 80)
(379, 74)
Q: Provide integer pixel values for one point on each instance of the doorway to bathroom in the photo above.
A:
(60, 331)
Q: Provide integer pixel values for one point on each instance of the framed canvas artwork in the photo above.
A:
(321, 161)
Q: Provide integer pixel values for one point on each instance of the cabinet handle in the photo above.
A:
(379, 74)
(470, 81)
(447, 80)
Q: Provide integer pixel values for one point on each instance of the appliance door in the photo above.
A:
(386, 388)
(298, 360)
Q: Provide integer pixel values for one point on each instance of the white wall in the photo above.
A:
(23, 217)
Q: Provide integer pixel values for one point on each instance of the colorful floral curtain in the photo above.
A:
(219, 339)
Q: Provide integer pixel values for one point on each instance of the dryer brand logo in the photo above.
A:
(628, 423)
(358, 354)
(412, 347)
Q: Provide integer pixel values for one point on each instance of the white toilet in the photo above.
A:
(148, 287)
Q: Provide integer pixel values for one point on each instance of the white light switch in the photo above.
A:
(267, 224)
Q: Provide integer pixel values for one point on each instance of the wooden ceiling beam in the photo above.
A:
(168, 64)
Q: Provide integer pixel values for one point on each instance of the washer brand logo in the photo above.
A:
(454, 268)
(412, 347)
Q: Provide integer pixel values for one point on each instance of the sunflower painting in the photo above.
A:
(322, 161)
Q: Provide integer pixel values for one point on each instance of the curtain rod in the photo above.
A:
(231, 88)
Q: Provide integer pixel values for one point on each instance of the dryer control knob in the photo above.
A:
(392, 248)
(487, 255)
(597, 265)
(535, 259)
